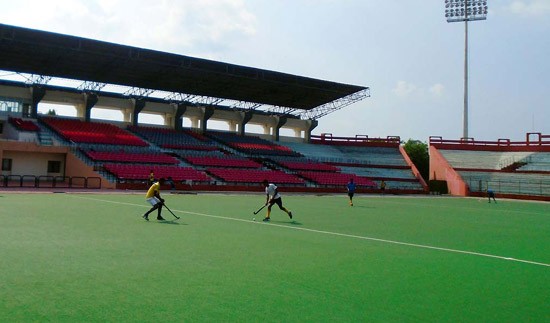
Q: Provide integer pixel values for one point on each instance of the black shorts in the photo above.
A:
(278, 201)
(350, 194)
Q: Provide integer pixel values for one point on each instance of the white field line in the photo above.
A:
(338, 234)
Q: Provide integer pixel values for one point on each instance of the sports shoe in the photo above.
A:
(160, 218)
(290, 214)
(146, 217)
(266, 219)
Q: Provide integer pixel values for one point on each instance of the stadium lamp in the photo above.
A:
(464, 11)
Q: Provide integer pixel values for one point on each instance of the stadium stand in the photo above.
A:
(373, 158)
(512, 169)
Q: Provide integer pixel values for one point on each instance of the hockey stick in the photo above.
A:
(177, 217)
(256, 212)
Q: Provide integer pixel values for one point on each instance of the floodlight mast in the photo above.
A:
(464, 11)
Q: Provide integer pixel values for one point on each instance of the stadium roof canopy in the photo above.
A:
(24, 50)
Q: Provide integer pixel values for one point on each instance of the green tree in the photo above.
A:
(418, 152)
(51, 112)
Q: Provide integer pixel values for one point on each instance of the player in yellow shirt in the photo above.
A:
(153, 198)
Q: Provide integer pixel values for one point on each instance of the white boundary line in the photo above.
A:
(340, 234)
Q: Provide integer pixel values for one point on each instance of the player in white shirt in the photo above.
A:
(273, 197)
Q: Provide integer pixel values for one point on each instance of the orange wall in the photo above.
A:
(441, 170)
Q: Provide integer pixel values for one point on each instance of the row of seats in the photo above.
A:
(225, 161)
(472, 159)
(379, 172)
(111, 156)
(189, 147)
(328, 178)
(173, 139)
(79, 131)
(194, 153)
(23, 125)
(263, 149)
(350, 155)
(313, 166)
(141, 172)
(252, 144)
(254, 176)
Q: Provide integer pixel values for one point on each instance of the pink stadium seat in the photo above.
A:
(23, 125)
(91, 132)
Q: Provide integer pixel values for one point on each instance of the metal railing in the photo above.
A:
(32, 181)
(520, 187)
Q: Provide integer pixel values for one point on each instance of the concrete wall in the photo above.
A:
(33, 163)
(32, 159)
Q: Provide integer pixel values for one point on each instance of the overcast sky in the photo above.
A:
(404, 50)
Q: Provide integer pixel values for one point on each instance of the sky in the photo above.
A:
(405, 51)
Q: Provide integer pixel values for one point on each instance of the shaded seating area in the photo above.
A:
(254, 176)
(79, 131)
(23, 125)
(174, 139)
(141, 172)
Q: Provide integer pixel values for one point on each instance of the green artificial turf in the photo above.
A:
(92, 258)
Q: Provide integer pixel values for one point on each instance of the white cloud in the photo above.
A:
(404, 88)
(530, 8)
(437, 89)
(180, 26)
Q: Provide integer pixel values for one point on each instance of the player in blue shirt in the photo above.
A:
(351, 190)
(491, 194)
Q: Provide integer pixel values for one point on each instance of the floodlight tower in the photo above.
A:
(464, 11)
